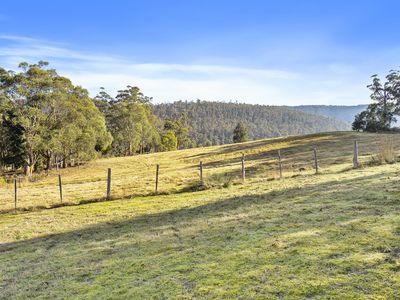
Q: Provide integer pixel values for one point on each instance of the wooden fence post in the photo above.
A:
(109, 184)
(157, 171)
(315, 160)
(201, 173)
(243, 169)
(60, 186)
(280, 164)
(356, 164)
(15, 194)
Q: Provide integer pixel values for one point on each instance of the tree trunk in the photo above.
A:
(49, 156)
(29, 164)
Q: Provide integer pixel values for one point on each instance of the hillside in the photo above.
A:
(339, 112)
(213, 122)
(333, 235)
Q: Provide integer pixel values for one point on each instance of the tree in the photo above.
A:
(240, 133)
(55, 117)
(84, 132)
(360, 122)
(183, 131)
(169, 141)
(129, 116)
(29, 93)
(380, 115)
(11, 140)
(181, 128)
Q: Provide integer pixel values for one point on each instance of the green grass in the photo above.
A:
(335, 235)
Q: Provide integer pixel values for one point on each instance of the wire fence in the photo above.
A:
(195, 174)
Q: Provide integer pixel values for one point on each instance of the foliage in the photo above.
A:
(53, 117)
(11, 140)
(380, 115)
(130, 120)
(169, 141)
(240, 133)
(180, 127)
(212, 123)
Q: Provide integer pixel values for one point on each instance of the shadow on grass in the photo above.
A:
(156, 245)
(214, 208)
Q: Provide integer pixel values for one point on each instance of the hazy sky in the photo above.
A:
(268, 52)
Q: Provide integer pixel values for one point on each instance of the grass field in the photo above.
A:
(334, 235)
(179, 170)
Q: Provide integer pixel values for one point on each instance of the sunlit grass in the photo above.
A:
(179, 169)
(335, 235)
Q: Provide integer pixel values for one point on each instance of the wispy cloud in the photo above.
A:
(335, 84)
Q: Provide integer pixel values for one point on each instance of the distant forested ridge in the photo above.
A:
(340, 112)
(212, 123)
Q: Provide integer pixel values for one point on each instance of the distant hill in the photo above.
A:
(212, 123)
(343, 113)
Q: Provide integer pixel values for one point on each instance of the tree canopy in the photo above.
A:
(49, 116)
(240, 133)
(380, 115)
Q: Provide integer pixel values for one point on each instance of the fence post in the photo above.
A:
(60, 186)
(201, 173)
(355, 155)
(109, 184)
(157, 171)
(243, 169)
(15, 194)
(315, 160)
(280, 164)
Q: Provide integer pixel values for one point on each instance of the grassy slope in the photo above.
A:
(333, 235)
(179, 169)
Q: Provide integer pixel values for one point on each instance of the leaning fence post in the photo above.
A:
(60, 186)
(280, 164)
(315, 160)
(355, 155)
(243, 169)
(109, 184)
(157, 171)
(15, 194)
(201, 173)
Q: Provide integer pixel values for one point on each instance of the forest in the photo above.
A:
(212, 123)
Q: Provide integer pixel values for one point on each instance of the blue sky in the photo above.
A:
(268, 52)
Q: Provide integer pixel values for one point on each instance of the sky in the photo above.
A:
(282, 52)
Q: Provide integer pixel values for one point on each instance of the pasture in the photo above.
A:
(333, 235)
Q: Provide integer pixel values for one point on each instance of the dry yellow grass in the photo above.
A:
(179, 169)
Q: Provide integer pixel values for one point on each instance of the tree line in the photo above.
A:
(47, 121)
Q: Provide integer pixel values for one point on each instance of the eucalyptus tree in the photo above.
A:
(130, 119)
(55, 117)
(381, 114)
